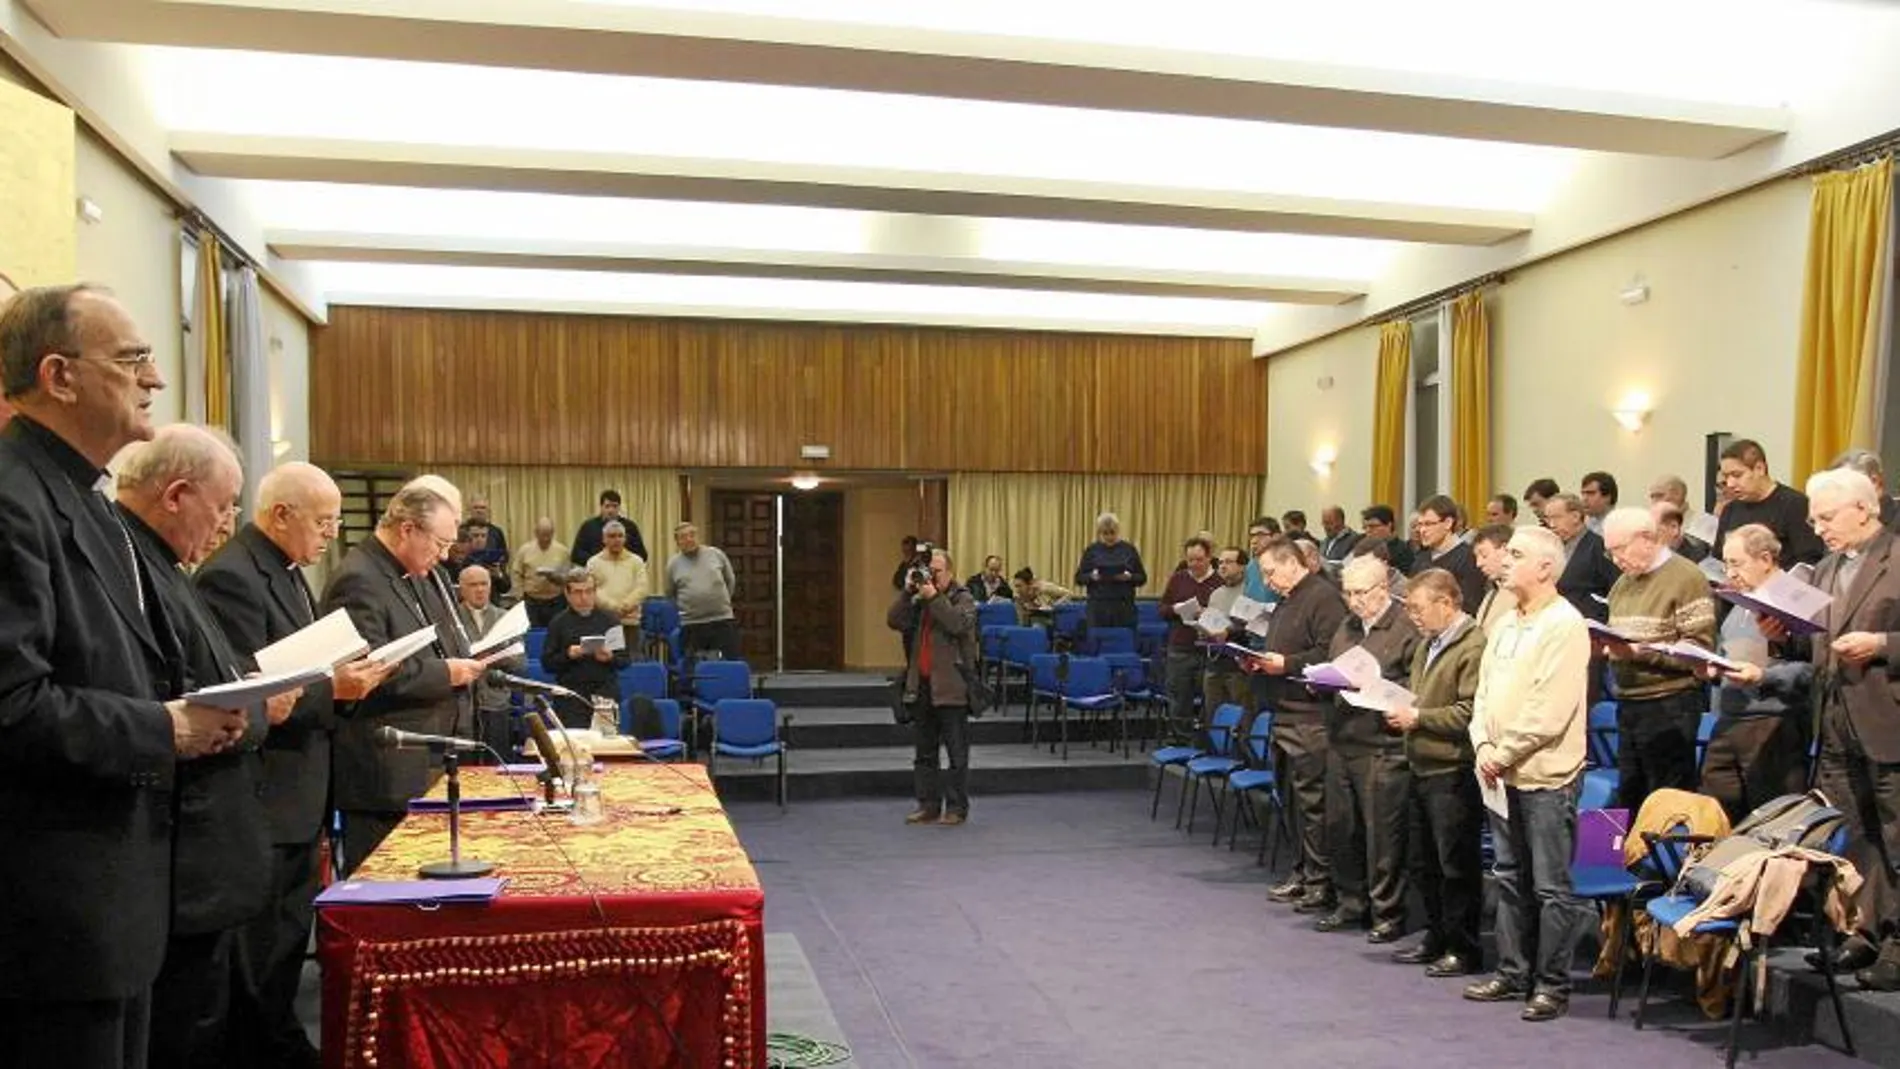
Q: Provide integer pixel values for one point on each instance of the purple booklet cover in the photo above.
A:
(1326, 676)
(1793, 621)
(530, 768)
(411, 892)
(492, 804)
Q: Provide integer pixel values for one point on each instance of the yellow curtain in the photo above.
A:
(1044, 521)
(1388, 427)
(1470, 403)
(518, 496)
(1843, 305)
(208, 324)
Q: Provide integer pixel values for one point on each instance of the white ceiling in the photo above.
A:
(1076, 165)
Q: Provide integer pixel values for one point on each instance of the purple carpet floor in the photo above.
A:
(1067, 931)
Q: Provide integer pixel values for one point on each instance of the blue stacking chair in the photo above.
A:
(1257, 777)
(1670, 853)
(668, 745)
(643, 677)
(532, 644)
(1596, 794)
(1043, 687)
(1131, 681)
(1150, 636)
(1609, 884)
(1599, 749)
(1216, 765)
(1705, 730)
(1147, 611)
(1103, 641)
(996, 614)
(1091, 690)
(1020, 646)
(1069, 619)
(712, 683)
(749, 728)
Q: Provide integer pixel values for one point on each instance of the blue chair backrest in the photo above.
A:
(1259, 736)
(643, 677)
(1042, 671)
(1106, 640)
(746, 721)
(1147, 611)
(1089, 677)
(1670, 856)
(1220, 730)
(1598, 792)
(1130, 668)
(668, 709)
(1021, 644)
(659, 616)
(1705, 730)
(1600, 738)
(996, 614)
(716, 680)
(533, 642)
(1069, 616)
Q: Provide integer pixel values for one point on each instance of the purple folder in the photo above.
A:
(1794, 622)
(494, 804)
(1600, 835)
(478, 892)
(1327, 677)
(530, 768)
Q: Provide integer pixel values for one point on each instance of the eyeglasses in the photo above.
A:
(442, 545)
(137, 361)
(1363, 591)
(329, 525)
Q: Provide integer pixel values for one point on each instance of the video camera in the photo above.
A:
(918, 572)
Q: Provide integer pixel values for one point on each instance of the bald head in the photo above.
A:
(299, 509)
(476, 585)
(184, 485)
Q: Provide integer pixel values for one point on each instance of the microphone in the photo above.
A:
(535, 686)
(391, 739)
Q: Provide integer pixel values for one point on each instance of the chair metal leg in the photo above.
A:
(1154, 808)
(1824, 941)
(1219, 798)
(1194, 800)
(1642, 994)
(1180, 800)
(1062, 720)
(1740, 1008)
(1625, 931)
(781, 778)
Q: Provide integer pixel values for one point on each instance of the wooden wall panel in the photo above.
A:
(414, 386)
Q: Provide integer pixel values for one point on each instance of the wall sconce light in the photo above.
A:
(1632, 413)
(1323, 461)
(805, 481)
(278, 447)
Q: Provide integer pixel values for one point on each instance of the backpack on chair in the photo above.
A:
(1797, 820)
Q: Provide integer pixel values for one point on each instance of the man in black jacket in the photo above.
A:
(91, 727)
(591, 672)
(255, 588)
(179, 494)
(391, 586)
(1588, 571)
(591, 539)
(1440, 547)
(1381, 525)
(1308, 615)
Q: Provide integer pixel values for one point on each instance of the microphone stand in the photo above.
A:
(454, 868)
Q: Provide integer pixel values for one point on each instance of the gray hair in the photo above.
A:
(1108, 521)
(1756, 540)
(34, 324)
(1570, 502)
(1671, 486)
(414, 504)
(178, 452)
(612, 527)
(1845, 485)
(1631, 521)
(474, 570)
(1865, 461)
(1357, 568)
(685, 525)
(442, 487)
(1542, 544)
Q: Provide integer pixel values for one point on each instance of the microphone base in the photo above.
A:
(455, 870)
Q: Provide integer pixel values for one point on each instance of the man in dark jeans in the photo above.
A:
(942, 616)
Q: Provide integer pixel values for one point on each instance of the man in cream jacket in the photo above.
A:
(1528, 723)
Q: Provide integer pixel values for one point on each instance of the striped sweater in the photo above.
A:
(1668, 603)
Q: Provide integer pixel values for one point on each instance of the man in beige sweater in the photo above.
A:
(1660, 597)
(1527, 726)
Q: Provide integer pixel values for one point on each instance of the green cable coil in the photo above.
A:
(789, 1050)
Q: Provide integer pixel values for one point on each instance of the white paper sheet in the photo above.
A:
(327, 643)
(405, 647)
(1701, 527)
(1380, 696)
(1494, 798)
(1189, 610)
(1247, 609)
(512, 625)
(248, 692)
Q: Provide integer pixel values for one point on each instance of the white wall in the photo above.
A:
(1848, 92)
(134, 248)
(1304, 418)
(287, 349)
(1714, 348)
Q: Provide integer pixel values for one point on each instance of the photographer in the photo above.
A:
(942, 617)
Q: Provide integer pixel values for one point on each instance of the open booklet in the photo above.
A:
(248, 692)
(403, 648)
(1604, 632)
(512, 626)
(1353, 670)
(1189, 610)
(1801, 608)
(614, 640)
(328, 642)
(1380, 696)
(1692, 653)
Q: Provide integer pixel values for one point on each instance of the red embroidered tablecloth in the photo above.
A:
(635, 942)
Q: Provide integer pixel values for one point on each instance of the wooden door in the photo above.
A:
(745, 525)
(814, 582)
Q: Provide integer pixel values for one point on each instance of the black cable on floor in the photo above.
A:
(789, 1050)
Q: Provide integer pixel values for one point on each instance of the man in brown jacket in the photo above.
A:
(1443, 810)
(942, 616)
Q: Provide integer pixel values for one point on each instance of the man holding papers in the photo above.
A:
(474, 591)
(179, 494)
(1443, 811)
(386, 585)
(1659, 599)
(1527, 727)
(1182, 602)
(583, 653)
(1856, 666)
(1760, 747)
(1308, 616)
(256, 591)
(93, 726)
(1226, 618)
(1367, 777)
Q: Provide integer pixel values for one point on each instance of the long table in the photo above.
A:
(635, 942)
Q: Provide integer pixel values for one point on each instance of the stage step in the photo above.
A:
(1009, 768)
(804, 690)
(1797, 1003)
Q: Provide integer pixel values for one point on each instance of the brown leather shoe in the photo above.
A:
(951, 820)
(922, 816)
